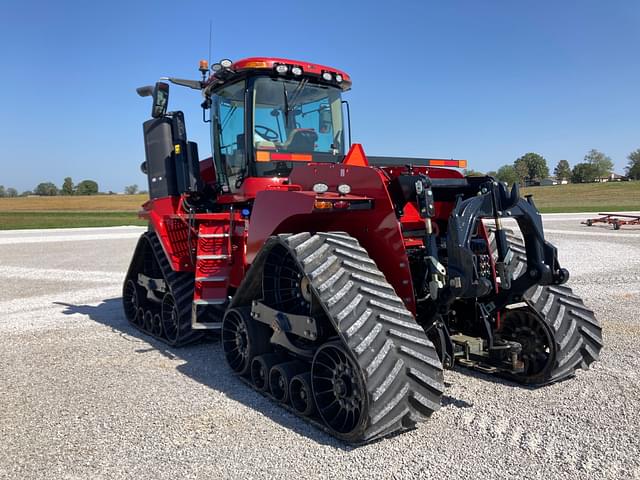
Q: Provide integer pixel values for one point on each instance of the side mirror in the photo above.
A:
(160, 99)
(324, 119)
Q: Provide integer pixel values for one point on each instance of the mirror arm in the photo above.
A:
(194, 84)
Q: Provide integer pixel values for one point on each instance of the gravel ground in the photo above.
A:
(82, 395)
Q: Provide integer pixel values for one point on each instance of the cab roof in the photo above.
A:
(284, 67)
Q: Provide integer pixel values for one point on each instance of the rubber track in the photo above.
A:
(576, 332)
(402, 372)
(181, 286)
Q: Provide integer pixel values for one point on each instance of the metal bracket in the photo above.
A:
(152, 285)
(299, 325)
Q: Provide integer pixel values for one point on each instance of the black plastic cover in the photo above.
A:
(158, 147)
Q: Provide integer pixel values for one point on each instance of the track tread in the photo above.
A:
(403, 385)
(181, 286)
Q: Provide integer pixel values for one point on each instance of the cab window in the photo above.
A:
(228, 134)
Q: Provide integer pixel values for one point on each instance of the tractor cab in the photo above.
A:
(266, 114)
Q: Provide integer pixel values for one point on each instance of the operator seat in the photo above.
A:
(300, 140)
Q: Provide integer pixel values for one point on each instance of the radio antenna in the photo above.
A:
(210, 28)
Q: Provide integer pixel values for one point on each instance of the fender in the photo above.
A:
(377, 229)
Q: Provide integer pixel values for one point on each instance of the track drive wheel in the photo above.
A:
(242, 340)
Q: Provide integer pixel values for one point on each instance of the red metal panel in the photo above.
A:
(377, 230)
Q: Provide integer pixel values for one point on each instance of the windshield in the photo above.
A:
(295, 117)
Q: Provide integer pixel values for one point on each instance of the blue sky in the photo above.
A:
(485, 81)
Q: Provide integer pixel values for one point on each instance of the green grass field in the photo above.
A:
(17, 220)
(64, 212)
(586, 197)
(115, 210)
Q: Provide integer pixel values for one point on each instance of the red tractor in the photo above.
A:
(341, 284)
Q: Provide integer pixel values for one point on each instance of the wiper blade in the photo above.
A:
(297, 91)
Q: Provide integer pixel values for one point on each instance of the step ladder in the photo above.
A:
(213, 268)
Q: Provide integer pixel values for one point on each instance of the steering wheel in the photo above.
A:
(267, 133)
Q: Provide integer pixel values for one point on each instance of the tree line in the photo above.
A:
(532, 168)
(49, 189)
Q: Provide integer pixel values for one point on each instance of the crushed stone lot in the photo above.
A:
(84, 395)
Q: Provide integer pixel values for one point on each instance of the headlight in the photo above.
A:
(226, 63)
(297, 71)
(282, 69)
(344, 189)
(320, 188)
(327, 76)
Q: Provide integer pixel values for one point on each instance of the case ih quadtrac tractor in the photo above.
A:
(340, 284)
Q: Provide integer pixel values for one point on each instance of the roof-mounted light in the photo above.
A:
(297, 71)
(226, 63)
(281, 68)
(327, 76)
(338, 78)
(216, 67)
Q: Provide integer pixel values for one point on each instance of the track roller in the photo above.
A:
(156, 325)
(301, 394)
(261, 367)
(280, 376)
(139, 321)
(148, 321)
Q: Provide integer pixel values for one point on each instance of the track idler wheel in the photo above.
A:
(279, 377)
(261, 367)
(538, 349)
(170, 318)
(243, 339)
(301, 394)
(338, 390)
(131, 301)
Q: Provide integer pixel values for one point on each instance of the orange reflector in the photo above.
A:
(322, 205)
(448, 163)
(262, 156)
(256, 64)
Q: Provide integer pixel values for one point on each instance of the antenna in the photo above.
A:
(210, 28)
